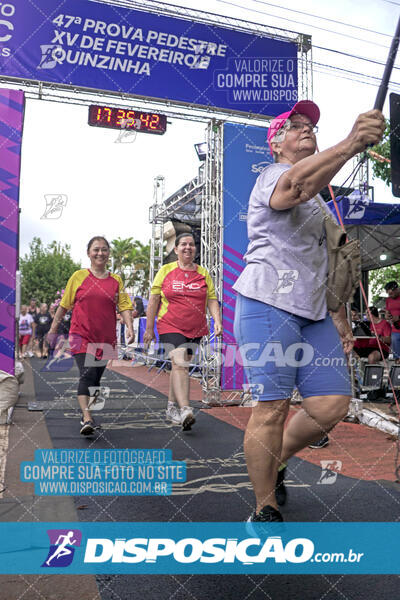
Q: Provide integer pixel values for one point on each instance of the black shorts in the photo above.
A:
(177, 340)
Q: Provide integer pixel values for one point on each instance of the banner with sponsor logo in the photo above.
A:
(200, 548)
(11, 122)
(106, 47)
(245, 156)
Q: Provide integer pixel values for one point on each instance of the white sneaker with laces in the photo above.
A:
(187, 418)
(173, 413)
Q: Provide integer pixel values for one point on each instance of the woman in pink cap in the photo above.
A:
(282, 324)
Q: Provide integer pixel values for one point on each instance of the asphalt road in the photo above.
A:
(217, 489)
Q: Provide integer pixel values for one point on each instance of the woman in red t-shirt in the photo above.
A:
(180, 295)
(95, 295)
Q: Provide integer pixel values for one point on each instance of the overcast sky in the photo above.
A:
(109, 185)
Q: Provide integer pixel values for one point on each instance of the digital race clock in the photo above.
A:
(124, 118)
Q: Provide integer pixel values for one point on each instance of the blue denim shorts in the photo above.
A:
(280, 350)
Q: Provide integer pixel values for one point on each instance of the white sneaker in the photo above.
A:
(187, 418)
(173, 413)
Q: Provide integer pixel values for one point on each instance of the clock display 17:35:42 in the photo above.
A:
(125, 118)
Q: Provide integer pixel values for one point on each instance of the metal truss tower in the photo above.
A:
(211, 253)
(157, 238)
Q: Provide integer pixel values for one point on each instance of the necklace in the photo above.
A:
(102, 275)
(186, 267)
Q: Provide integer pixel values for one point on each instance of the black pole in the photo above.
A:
(381, 95)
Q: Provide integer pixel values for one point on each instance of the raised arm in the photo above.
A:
(307, 177)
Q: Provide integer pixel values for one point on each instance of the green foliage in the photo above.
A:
(382, 170)
(131, 260)
(379, 277)
(45, 271)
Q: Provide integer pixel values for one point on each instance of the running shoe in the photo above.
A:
(324, 441)
(280, 488)
(187, 418)
(260, 524)
(89, 426)
(266, 514)
(173, 413)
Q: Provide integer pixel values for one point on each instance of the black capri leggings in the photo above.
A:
(88, 376)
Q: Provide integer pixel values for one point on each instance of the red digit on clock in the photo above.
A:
(109, 113)
(120, 116)
(155, 119)
(145, 119)
(130, 116)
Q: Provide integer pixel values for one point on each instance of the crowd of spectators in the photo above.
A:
(34, 324)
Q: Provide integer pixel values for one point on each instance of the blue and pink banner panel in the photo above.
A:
(11, 123)
(245, 156)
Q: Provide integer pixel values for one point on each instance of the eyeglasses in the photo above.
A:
(298, 126)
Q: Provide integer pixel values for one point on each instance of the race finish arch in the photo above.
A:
(184, 63)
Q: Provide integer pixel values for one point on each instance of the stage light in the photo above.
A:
(383, 257)
(201, 150)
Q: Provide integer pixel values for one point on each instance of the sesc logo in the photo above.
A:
(259, 167)
(61, 551)
(191, 550)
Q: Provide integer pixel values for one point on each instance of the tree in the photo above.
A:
(140, 260)
(120, 254)
(381, 169)
(45, 271)
(131, 261)
(379, 277)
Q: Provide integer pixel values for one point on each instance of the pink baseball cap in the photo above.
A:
(304, 107)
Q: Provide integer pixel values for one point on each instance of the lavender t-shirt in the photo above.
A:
(287, 260)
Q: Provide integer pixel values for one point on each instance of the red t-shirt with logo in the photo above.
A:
(184, 296)
(94, 302)
(393, 306)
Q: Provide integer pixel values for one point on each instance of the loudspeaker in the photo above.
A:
(394, 377)
(373, 376)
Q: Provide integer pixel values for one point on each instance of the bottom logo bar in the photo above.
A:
(203, 548)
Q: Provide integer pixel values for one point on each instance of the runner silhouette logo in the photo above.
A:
(61, 551)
